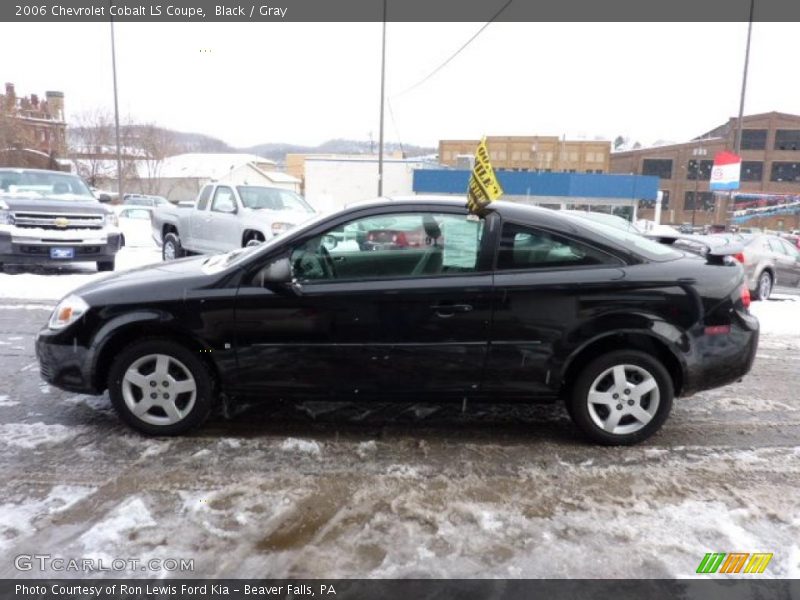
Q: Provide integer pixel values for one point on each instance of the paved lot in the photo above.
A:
(323, 489)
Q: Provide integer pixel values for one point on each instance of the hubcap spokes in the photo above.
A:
(169, 251)
(159, 389)
(623, 399)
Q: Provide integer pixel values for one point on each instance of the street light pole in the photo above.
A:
(383, 91)
(116, 112)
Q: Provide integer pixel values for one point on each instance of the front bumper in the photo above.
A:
(63, 362)
(717, 360)
(20, 248)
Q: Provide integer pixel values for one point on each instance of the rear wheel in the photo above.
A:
(764, 286)
(172, 249)
(254, 239)
(160, 387)
(621, 398)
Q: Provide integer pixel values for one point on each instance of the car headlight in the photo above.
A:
(278, 228)
(69, 310)
(5, 214)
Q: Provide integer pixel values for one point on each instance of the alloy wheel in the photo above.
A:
(169, 250)
(623, 399)
(764, 286)
(159, 389)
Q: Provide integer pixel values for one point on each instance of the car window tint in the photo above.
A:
(202, 201)
(527, 248)
(789, 249)
(391, 246)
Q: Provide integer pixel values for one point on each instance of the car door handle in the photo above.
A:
(446, 311)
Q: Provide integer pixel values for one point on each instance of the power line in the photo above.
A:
(456, 53)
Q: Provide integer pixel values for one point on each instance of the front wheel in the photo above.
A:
(621, 398)
(160, 387)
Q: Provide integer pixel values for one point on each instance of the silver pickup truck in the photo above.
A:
(225, 217)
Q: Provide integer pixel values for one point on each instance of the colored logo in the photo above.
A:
(734, 562)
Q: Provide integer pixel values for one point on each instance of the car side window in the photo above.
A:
(202, 201)
(224, 201)
(790, 250)
(528, 248)
(776, 246)
(396, 245)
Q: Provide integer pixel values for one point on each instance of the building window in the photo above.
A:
(664, 199)
(658, 167)
(598, 171)
(752, 170)
(754, 139)
(704, 167)
(705, 201)
(785, 171)
(787, 139)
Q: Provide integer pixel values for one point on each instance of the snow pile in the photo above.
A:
(17, 519)
(54, 282)
(129, 516)
(33, 435)
(4, 401)
(301, 446)
(779, 316)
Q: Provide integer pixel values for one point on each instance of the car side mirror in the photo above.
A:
(278, 271)
(227, 208)
(329, 242)
(104, 198)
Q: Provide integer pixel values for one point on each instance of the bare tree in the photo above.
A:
(150, 145)
(92, 145)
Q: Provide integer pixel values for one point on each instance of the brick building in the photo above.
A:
(33, 132)
(540, 154)
(770, 174)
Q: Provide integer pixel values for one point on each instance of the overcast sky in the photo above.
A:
(249, 83)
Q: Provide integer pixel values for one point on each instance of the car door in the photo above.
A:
(793, 266)
(784, 264)
(545, 284)
(386, 318)
(223, 220)
(198, 222)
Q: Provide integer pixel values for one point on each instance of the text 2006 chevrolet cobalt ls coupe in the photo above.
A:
(414, 299)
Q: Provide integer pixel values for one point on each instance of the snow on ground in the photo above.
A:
(53, 282)
(33, 435)
(780, 315)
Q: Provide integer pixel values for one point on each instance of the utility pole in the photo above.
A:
(383, 91)
(116, 112)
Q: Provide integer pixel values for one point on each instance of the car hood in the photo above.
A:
(53, 204)
(165, 281)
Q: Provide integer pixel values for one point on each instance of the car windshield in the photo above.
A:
(44, 183)
(639, 244)
(272, 199)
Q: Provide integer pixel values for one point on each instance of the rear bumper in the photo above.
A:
(21, 249)
(717, 360)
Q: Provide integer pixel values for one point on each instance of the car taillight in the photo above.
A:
(739, 256)
(745, 296)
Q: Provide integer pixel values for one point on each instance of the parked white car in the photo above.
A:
(225, 217)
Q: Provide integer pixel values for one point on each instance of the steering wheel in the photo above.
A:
(327, 262)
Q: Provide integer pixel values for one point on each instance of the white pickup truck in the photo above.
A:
(225, 217)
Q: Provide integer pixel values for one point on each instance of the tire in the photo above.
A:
(253, 240)
(763, 286)
(171, 249)
(184, 403)
(106, 265)
(637, 418)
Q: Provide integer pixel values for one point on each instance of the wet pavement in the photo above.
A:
(322, 489)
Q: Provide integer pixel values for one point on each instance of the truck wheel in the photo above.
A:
(160, 387)
(171, 249)
(254, 239)
(105, 265)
